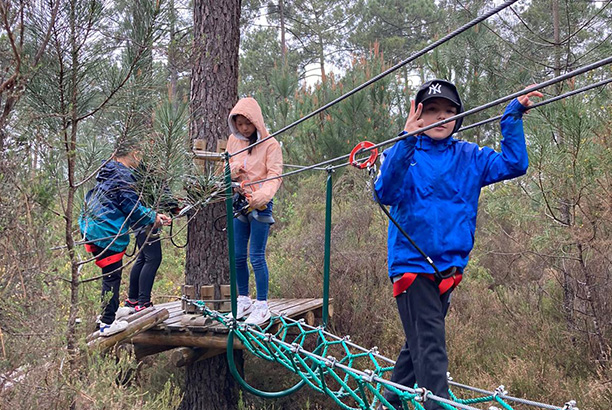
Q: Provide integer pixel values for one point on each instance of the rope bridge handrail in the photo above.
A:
(348, 373)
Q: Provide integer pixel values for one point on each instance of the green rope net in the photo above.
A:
(348, 373)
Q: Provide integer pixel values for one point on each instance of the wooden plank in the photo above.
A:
(134, 328)
(303, 308)
(226, 293)
(288, 304)
(175, 304)
(128, 319)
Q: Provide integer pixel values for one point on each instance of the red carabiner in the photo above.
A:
(364, 163)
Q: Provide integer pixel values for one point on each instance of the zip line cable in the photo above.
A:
(539, 104)
(385, 73)
(509, 97)
(498, 117)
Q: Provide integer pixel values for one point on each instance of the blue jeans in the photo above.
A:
(256, 233)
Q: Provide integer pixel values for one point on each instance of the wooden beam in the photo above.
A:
(208, 341)
(128, 319)
(186, 356)
(142, 351)
(139, 325)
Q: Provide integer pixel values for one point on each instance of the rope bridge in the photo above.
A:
(348, 373)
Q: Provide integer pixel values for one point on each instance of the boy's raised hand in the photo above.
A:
(413, 122)
(525, 99)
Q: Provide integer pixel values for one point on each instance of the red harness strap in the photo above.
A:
(403, 283)
(104, 262)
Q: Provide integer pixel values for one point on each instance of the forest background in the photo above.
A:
(534, 312)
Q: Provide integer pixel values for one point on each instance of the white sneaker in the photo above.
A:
(115, 327)
(124, 311)
(260, 315)
(245, 306)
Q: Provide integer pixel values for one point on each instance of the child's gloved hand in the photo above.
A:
(525, 99)
(414, 122)
(161, 219)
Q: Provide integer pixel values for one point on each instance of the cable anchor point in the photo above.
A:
(331, 361)
(422, 394)
(500, 391)
(365, 162)
(570, 405)
(369, 375)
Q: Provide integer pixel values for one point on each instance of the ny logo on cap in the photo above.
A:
(435, 89)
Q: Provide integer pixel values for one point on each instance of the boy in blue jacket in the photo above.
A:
(111, 208)
(432, 182)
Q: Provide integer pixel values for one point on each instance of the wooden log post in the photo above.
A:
(226, 293)
(189, 292)
(207, 293)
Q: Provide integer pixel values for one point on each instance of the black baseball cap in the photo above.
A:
(440, 89)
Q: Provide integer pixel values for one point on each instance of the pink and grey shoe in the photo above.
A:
(127, 309)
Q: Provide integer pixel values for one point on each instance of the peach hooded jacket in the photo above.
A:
(264, 161)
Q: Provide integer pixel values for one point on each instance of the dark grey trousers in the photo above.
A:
(423, 359)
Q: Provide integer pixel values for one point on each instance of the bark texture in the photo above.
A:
(214, 91)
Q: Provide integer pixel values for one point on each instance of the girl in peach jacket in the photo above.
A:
(252, 225)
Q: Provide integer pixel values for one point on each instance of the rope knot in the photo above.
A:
(295, 348)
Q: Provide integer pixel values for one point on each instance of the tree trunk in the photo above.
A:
(214, 90)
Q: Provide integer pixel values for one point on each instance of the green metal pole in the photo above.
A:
(230, 236)
(234, 296)
(326, 259)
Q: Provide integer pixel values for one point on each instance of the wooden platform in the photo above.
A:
(166, 326)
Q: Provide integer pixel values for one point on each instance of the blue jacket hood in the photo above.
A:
(112, 207)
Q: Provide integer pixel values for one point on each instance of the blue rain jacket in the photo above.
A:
(433, 189)
(112, 207)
